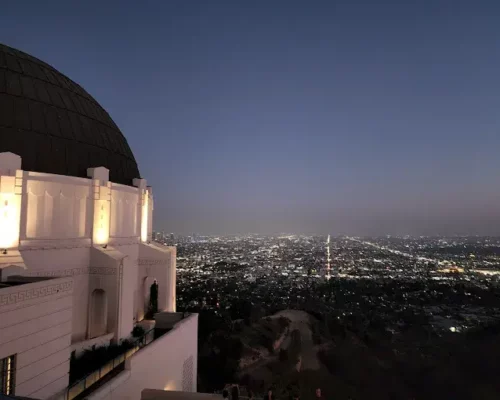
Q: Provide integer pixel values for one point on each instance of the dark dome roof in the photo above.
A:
(55, 125)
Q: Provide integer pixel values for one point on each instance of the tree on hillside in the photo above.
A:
(219, 361)
(246, 310)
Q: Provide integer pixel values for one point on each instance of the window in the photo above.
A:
(7, 374)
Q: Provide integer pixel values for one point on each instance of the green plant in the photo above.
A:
(93, 359)
(138, 331)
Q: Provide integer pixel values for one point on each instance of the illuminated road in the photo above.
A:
(328, 259)
(397, 252)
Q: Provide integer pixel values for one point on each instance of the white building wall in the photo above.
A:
(128, 289)
(168, 363)
(56, 237)
(158, 262)
(56, 225)
(35, 325)
(55, 234)
(72, 262)
(172, 280)
(150, 213)
(125, 211)
(56, 207)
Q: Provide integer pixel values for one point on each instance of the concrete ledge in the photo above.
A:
(167, 320)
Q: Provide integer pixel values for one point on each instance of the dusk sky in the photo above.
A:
(342, 117)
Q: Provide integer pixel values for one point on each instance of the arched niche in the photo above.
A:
(98, 313)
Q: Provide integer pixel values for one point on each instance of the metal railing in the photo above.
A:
(91, 379)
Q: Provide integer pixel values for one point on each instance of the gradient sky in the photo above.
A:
(338, 116)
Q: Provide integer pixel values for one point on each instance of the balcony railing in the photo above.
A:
(93, 380)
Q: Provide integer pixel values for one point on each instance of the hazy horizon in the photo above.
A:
(350, 116)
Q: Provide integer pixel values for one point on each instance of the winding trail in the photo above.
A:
(300, 320)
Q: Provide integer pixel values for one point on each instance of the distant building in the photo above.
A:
(76, 260)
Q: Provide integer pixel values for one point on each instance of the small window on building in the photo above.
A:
(7, 375)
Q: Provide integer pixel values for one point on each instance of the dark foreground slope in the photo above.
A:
(294, 352)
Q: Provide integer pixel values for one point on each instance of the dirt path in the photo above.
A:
(300, 320)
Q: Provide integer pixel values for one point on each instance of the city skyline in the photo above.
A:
(348, 117)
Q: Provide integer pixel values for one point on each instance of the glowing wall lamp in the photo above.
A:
(101, 220)
(10, 206)
(144, 216)
(102, 204)
(144, 207)
(11, 178)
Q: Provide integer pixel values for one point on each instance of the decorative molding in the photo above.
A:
(150, 262)
(35, 293)
(74, 272)
(61, 272)
(45, 244)
(124, 209)
(124, 188)
(57, 210)
(46, 177)
(102, 271)
(123, 241)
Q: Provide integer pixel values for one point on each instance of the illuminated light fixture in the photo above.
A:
(144, 216)
(102, 201)
(9, 373)
(144, 194)
(101, 222)
(10, 206)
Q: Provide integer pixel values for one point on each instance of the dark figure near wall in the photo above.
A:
(153, 298)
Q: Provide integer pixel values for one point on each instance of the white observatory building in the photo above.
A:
(77, 265)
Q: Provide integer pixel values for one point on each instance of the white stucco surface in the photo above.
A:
(35, 325)
(89, 239)
(168, 363)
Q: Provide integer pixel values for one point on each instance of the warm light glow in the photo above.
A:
(144, 217)
(9, 220)
(451, 270)
(8, 375)
(486, 272)
(169, 386)
(101, 222)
